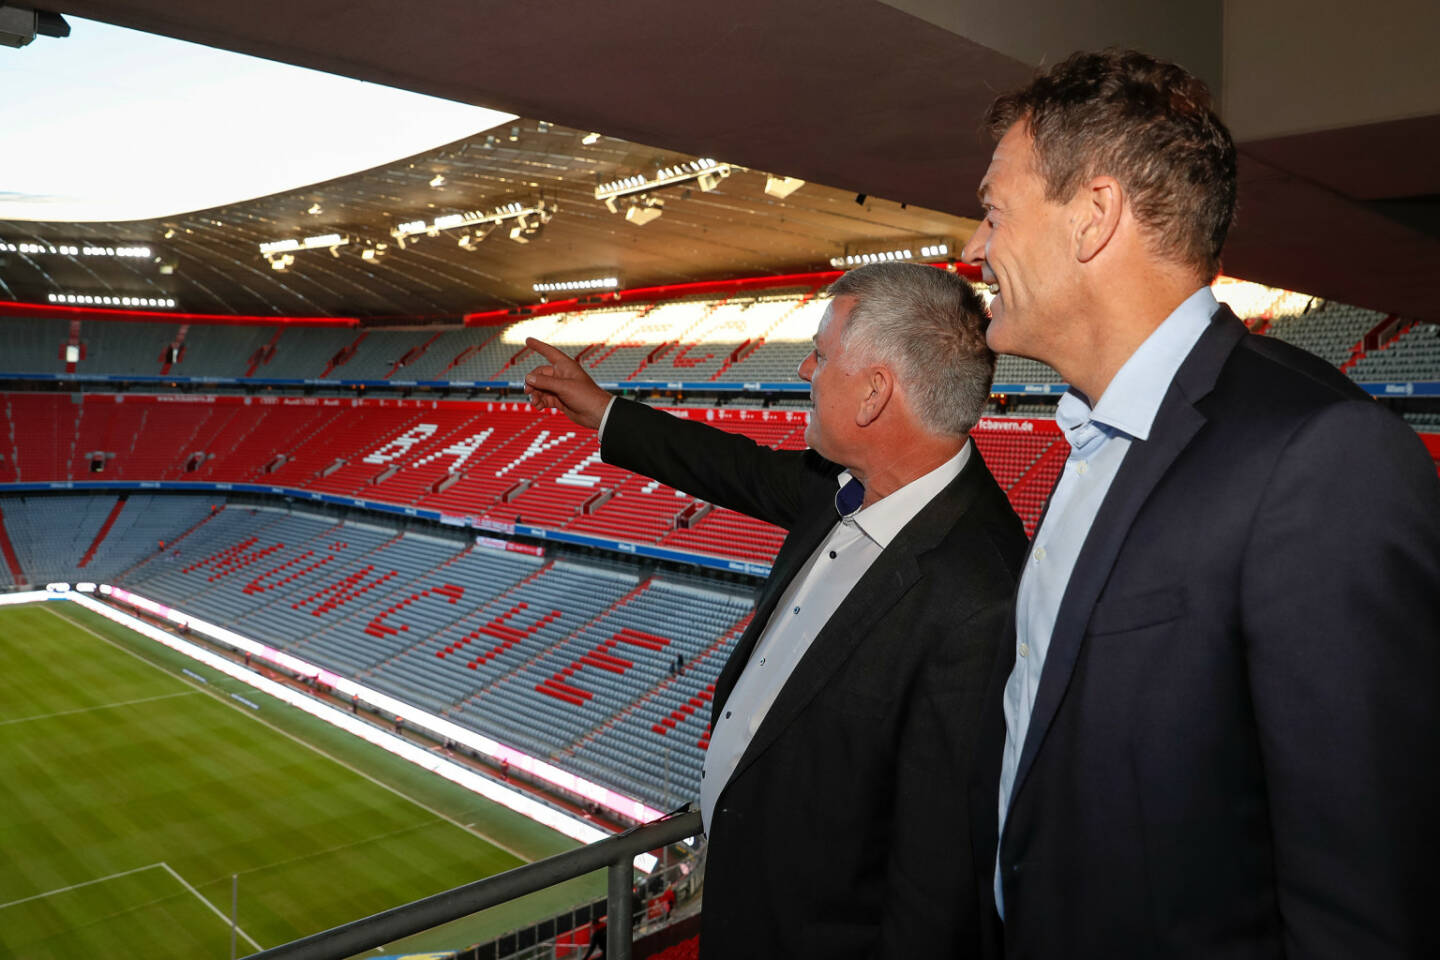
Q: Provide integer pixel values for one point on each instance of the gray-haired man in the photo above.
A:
(843, 722)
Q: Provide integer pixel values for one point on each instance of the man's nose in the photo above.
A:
(807, 367)
(974, 252)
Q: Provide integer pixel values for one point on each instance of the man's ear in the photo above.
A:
(1099, 206)
(880, 386)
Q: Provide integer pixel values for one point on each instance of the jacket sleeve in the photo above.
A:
(722, 468)
(1341, 608)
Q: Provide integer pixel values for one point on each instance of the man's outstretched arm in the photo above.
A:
(727, 469)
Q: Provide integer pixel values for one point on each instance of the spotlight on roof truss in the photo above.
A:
(645, 209)
(533, 214)
(602, 280)
(20, 25)
(921, 249)
(704, 172)
(781, 187)
(326, 241)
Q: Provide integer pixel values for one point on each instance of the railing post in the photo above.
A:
(614, 854)
(620, 905)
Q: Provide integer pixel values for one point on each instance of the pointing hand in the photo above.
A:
(562, 384)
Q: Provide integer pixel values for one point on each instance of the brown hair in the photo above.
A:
(1145, 122)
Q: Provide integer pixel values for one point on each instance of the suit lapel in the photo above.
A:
(1176, 423)
(882, 586)
(788, 564)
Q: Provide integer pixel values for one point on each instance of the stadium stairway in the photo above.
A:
(12, 562)
(102, 532)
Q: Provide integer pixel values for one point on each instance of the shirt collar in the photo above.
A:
(1131, 401)
(886, 517)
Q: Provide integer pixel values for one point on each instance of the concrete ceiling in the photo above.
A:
(1336, 110)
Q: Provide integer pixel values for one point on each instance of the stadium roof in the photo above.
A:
(871, 97)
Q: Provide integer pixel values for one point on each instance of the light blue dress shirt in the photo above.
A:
(1099, 440)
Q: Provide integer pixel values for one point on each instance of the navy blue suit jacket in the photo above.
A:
(1235, 746)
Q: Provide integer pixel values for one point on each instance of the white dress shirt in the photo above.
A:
(1099, 440)
(854, 543)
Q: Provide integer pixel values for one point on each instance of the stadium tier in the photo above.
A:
(698, 340)
(504, 463)
(1413, 355)
(727, 341)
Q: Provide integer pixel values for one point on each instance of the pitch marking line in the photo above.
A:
(77, 886)
(125, 873)
(213, 909)
(98, 706)
(309, 746)
(336, 849)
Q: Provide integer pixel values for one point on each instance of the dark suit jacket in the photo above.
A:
(1235, 746)
(837, 836)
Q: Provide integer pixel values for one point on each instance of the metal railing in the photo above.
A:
(616, 854)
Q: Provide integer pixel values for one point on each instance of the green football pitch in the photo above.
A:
(131, 795)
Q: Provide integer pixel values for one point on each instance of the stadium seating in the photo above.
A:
(719, 338)
(1010, 369)
(1333, 331)
(73, 537)
(569, 660)
(1414, 355)
(503, 461)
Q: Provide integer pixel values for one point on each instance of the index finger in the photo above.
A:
(553, 354)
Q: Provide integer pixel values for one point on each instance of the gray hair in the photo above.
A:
(928, 326)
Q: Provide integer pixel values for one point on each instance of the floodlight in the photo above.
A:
(641, 214)
(781, 187)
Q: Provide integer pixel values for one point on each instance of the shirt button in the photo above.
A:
(762, 661)
(796, 610)
(832, 554)
(727, 714)
(1082, 467)
(1024, 649)
(702, 774)
(1039, 553)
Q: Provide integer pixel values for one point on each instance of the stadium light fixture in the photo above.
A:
(704, 172)
(923, 249)
(590, 139)
(781, 187)
(323, 241)
(608, 282)
(437, 181)
(111, 300)
(77, 249)
(541, 210)
(641, 214)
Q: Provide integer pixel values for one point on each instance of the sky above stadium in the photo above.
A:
(114, 124)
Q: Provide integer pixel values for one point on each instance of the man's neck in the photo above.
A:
(1120, 320)
(902, 463)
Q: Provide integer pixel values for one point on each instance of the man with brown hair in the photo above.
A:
(844, 720)
(1214, 731)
